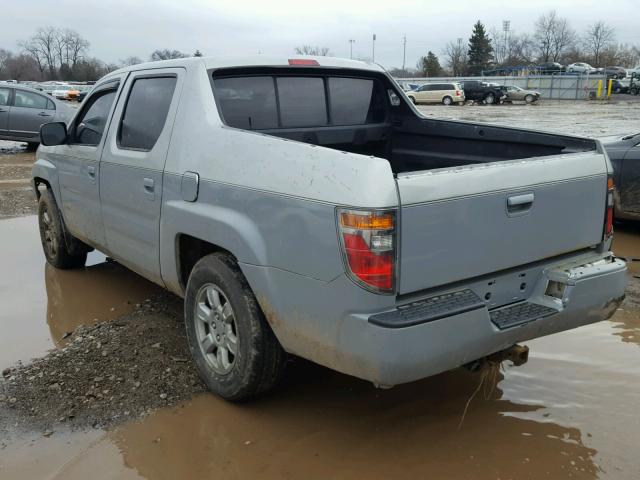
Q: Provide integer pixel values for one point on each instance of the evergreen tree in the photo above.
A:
(429, 66)
(480, 50)
(198, 53)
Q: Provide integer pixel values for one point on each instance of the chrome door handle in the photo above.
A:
(44, 114)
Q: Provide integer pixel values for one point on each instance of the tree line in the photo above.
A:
(553, 40)
(63, 54)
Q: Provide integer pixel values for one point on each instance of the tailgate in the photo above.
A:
(468, 221)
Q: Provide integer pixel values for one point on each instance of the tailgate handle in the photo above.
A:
(520, 204)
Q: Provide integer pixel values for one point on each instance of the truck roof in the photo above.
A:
(254, 61)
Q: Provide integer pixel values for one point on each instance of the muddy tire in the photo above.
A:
(60, 252)
(236, 354)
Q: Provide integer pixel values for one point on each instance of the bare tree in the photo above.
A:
(5, 55)
(42, 48)
(166, 54)
(456, 57)
(129, 61)
(316, 51)
(75, 47)
(553, 36)
(599, 36)
(22, 67)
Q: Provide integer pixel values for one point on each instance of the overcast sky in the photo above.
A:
(118, 29)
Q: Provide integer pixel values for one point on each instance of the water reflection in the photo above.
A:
(326, 425)
(96, 293)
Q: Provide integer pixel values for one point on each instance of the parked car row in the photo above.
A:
(449, 93)
(59, 90)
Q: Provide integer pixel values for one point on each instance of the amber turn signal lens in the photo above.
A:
(367, 221)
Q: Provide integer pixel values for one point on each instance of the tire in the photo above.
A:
(490, 99)
(32, 146)
(413, 100)
(60, 251)
(529, 98)
(447, 101)
(617, 90)
(217, 289)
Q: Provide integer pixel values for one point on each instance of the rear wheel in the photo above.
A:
(235, 352)
(60, 251)
(490, 99)
(32, 146)
(413, 100)
(447, 101)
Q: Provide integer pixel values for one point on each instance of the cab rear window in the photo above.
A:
(265, 102)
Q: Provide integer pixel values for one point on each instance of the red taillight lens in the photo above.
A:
(368, 242)
(608, 224)
(457, 93)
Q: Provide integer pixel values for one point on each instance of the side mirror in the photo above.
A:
(54, 133)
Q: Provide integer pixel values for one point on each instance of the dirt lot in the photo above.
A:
(97, 380)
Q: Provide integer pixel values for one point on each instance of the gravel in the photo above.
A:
(16, 202)
(108, 373)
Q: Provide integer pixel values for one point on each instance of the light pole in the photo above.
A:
(351, 42)
(373, 49)
(404, 51)
(505, 29)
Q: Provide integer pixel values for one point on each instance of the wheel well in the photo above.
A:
(189, 251)
(37, 181)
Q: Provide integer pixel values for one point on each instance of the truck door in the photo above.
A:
(5, 94)
(77, 164)
(132, 165)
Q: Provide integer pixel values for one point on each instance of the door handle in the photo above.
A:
(91, 171)
(519, 204)
(149, 187)
(44, 114)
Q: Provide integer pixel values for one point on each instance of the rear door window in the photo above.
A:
(247, 102)
(355, 101)
(29, 100)
(302, 101)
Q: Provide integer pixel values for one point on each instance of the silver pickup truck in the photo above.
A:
(305, 206)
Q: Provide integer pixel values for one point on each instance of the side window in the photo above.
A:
(90, 125)
(247, 102)
(146, 112)
(425, 88)
(302, 101)
(30, 100)
(51, 105)
(4, 96)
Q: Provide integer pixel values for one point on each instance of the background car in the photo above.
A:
(549, 68)
(619, 86)
(445, 93)
(613, 72)
(83, 90)
(515, 93)
(23, 110)
(624, 153)
(580, 67)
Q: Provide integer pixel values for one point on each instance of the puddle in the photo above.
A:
(40, 304)
(571, 412)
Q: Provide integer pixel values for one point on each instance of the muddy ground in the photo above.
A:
(117, 395)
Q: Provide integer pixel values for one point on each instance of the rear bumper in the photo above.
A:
(330, 322)
(391, 356)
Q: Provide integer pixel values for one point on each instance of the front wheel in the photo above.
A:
(529, 99)
(490, 99)
(413, 100)
(61, 252)
(235, 352)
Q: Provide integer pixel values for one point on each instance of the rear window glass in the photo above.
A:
(355, 101)
(302, 101)
(247, 102)
(270, 102)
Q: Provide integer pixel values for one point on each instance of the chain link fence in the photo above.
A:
(555, 87)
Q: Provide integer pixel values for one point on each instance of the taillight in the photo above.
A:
(608, 223)
(303, 61)
(458, 93)
(368, 243)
